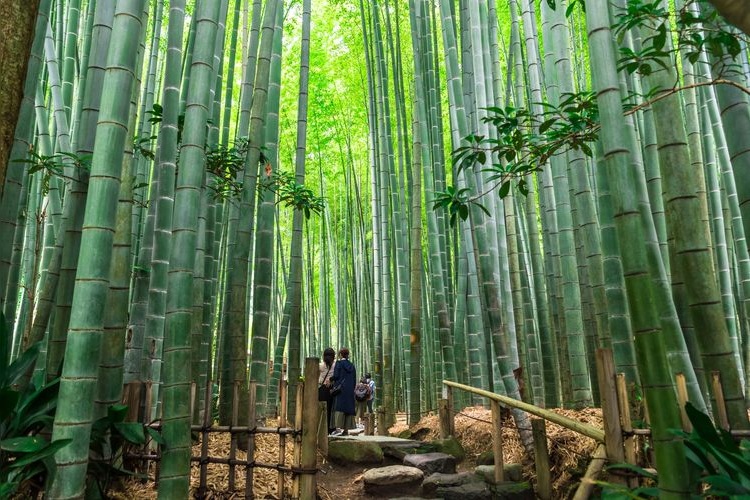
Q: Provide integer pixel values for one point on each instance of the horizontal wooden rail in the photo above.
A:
(579, 427)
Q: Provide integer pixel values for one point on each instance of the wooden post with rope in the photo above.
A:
(309, 455)
(605, 369)
(541, 459)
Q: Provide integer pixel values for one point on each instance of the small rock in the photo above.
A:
(451, 446)
(438, 480)
(513, 491)
(513, 472)
(432, 462)
(398, 479)
(347, 452)
(468, 491)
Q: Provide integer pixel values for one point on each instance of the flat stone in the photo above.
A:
(451, 446)
(512, 472)
(379, 440)
(399, 452)
(432, 462)
(348, 452)
(513, 491)
(467, 491)
(438, 480)
(394, 479)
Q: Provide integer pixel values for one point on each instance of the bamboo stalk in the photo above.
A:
(595, 466)
(581, 428)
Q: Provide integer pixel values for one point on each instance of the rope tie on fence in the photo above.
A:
(303, 470)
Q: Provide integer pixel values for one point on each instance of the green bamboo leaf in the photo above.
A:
(117, 413)
(156, 436)
(725, 486)
(40, 455)
(504, 189)
(131, 431)
(463, 212)
(632, 468)
(24, 444)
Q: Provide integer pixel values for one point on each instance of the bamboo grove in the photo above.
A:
(479, 191)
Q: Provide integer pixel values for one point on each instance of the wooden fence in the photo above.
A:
(303, 433)
(616, 442)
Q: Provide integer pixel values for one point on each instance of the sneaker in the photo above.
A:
(337, 432)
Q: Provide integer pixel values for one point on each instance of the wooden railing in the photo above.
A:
(615, 442)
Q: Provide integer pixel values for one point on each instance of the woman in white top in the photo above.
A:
(324, 380)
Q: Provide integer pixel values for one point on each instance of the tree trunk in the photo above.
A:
(17, 20)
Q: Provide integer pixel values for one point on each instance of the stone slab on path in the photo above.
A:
(379, 440)
(393, 479)
(430, 463)
(438, 480)
(347, 452)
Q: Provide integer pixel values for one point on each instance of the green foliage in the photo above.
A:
(293, 195)
(111, 436)
(25, 409)
(724, 462)
(524, 143)
(694, 33)
(54, 165)
(226, 163)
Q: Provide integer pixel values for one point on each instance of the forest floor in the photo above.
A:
(569, 455)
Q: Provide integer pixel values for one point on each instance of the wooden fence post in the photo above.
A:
(627, 425)
(252, 389)
(382, 425)
(721, 406)
(308, 458)
(232, 435)
(282, 437)
(497, 441)
(682, 398)
(370, 424)
(323, 427)
(451, 408)
(445, 418)
(297, 461)
(605, 369)
(541, 459)
(203, 477)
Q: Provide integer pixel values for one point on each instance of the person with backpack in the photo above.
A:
(371, 399)
(361, 395)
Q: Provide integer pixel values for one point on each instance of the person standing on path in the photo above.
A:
(344, 374)
(327, 367)
(371, 399)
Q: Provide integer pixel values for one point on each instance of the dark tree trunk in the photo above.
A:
(17, 20)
